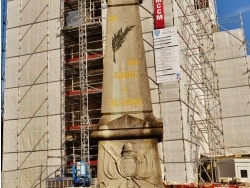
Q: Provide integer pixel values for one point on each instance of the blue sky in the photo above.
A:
(231, 8)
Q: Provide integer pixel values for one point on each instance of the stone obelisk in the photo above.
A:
(128, 133)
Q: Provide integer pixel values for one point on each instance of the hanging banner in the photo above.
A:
(166, 54)
(159, 14)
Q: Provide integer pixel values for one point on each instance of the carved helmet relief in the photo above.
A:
(125, 168)
(127, 165)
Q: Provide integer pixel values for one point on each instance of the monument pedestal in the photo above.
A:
(128, 152)
(129, 164)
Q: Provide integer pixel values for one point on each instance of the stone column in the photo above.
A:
(128, 133)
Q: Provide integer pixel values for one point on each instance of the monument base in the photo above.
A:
(131, 126)
(128, 154)
(129, 164)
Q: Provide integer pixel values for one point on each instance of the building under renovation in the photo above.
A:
(198, 74)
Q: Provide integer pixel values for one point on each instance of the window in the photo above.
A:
(243, 173)
(201, 4)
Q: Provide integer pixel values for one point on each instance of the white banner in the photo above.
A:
(166, 54)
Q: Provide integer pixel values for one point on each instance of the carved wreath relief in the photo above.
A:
(126, 169)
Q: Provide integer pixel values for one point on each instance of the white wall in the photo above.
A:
(234, 90)
(33, 93)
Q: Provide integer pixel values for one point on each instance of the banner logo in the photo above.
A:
(159, 14)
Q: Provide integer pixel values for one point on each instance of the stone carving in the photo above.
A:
(127, 169)
(119, 38)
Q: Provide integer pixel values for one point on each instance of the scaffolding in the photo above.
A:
(198, 91)
(82, 29)
(204, 111)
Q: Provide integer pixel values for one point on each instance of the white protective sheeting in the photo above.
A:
(12, 44)
(234, 90)
(169, 91)
(172, 121)
(146, 17)
(30, 166)
(150, 60)
(32, 134)
(178, 168)
(229, 45)
(232, 72)
(9, 172)
(10, 103)
(54, 136)
(237, 131)
(34, 11)
(55, 66)
(11, 71)
(54, 9)
(34, 38)
(54, 162)
(9, 179)
(174, 116)
(14, 14)
(41, 149)
(168, 10)
(234, 102)
(32, 127)
(54, 97)
(157, 111)
(54, 34)
(33, 101)
(54, 144)
(177, 144)
(33, 69)
(10, 137)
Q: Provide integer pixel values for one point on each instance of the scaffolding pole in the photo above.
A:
(83, 69)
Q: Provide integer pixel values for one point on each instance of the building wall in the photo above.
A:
(226, 169)
(234, 90)
(242, 169)
(33, 93)
(235, 169)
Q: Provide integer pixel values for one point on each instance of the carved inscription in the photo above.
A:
(126, 102)
(113, 18)
(131, 73)
(125, 74)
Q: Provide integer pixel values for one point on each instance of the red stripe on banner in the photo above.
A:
(159, 14)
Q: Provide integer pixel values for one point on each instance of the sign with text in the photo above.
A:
(159, 14)
(166, 54)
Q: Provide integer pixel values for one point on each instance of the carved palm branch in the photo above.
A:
(119, 38)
